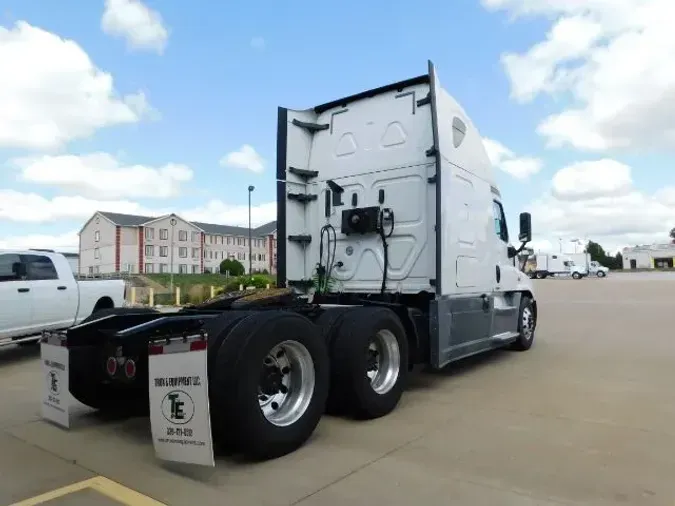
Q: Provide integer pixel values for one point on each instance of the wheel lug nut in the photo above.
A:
(283, 389)
(286, 370)
(275, 406)
(280, 353)
(263, 398)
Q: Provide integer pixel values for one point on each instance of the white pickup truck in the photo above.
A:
(38, 291)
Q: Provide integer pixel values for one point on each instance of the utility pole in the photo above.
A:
(173, 225)
(250, 246)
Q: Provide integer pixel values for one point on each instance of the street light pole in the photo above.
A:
(173, 224)
(250, 246)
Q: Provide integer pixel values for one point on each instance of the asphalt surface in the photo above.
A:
(587, 416)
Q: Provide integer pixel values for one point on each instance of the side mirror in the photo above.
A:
(525, 234)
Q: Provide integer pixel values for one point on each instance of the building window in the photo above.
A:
(97, 236)
(149, 251)
(163, 268)
(195, 252)
(149, 268)
(182, 252)
(149, 233)
(91, 269)
(164, 251)
(182, 235)
(228, 240)
(97, 253)
(238, 241)
(195, 236)
(183, 269)
(163, 234)
(211, 255)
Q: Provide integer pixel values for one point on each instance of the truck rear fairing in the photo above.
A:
(409, 152)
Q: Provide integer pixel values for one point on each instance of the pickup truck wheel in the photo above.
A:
(369, 362)
(601, 274)
(269, 385)
(576, 275)
(527, 324)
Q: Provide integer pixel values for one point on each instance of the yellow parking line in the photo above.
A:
(101, 485)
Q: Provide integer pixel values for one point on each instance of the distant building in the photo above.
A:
(649, 256)
(74, 261)
(113, 242)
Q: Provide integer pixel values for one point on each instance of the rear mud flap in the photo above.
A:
(180, 416)
(57, 402)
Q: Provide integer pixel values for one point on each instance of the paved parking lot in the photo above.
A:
(587, 416)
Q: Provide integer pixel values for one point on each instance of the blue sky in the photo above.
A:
(215, 87)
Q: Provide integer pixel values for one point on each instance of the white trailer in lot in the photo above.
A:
(542, 266)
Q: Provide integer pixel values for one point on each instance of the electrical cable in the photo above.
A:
(385, 245)
(324, 273)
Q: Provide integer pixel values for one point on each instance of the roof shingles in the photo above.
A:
(131, 220)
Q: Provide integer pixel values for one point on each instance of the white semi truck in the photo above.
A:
(593, 267)
(543, 265)
(393, 251)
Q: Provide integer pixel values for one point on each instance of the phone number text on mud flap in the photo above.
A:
(172, 431)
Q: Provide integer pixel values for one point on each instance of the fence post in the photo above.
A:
(178, 295)
(267, 286)
(213, 291)
(151, 297)
(133, 295)
(241, 287)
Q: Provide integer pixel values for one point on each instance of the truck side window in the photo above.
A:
(500, 221)
(40, 268)
(9, 267)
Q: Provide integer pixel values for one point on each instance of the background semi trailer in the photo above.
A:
(393, 251)
(543, 265)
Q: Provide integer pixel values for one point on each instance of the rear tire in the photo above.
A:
(576, 275)
(268, 406)
(369, 362)
(601, 274)
(527, 324)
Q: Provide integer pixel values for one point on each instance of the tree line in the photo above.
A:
(599, 254)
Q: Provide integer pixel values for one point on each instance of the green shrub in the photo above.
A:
(232, 266)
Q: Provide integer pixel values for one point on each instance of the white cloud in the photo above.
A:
(141, 27)
(68, 242)
(246, 158)
(506, 160)
(588, 180)
(596, 200)
(33, 208)
(101, 176)
(52, 93)
(258, 43)
(217, 211)
(608, 57)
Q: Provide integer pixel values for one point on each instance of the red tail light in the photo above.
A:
(130, 368)
(111, 366)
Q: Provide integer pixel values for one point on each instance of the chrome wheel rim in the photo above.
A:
(384, 361)
(527, 323)
(286, 383)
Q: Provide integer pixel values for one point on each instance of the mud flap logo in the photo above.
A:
(54, 382)
(178, 407)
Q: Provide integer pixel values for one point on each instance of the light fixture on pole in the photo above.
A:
(173, 224)
(250, 246)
